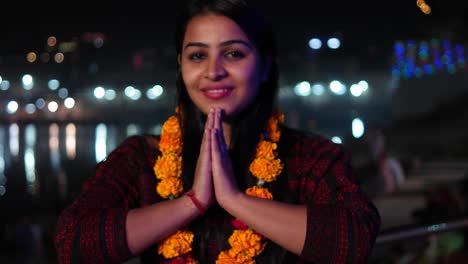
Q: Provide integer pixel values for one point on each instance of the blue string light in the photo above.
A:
(425, 58)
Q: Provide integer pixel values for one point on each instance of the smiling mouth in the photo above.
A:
(217, 93)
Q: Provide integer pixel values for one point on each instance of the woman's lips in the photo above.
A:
(216, 92)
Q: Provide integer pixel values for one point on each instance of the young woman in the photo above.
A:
(226, 181)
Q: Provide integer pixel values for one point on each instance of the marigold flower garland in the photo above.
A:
(245, 243)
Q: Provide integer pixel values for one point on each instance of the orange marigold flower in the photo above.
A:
(272, 127)
(176, 244)
(236, 257)
(279, 116)
(171, 126)
(170, 143)
(259, 192)
(245, 244)
(266, 170)
(225, 258)
(168, 166)
(169, 187)
(265, 149)
(275, 135)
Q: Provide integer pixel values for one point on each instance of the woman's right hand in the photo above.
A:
(203, 179)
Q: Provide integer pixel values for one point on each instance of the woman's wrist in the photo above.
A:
(200, 207)
(232, 200)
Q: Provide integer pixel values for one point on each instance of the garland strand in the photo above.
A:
(245, 243)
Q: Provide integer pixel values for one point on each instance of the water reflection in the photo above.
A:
(70, 141)
(2, 162)
(30, 160)
(54, 147)
(48, 161)
(14, 140)
(42, 169)
(101, 139)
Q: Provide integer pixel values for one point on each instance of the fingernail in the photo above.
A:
(211, 110)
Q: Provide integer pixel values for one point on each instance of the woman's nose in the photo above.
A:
(215, 70)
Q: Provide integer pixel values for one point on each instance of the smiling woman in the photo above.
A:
(219, 64)
(226, 181)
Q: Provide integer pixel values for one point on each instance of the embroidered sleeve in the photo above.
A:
(92, 228)
(342, 222)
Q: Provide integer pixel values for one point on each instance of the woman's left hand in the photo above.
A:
(224, 180)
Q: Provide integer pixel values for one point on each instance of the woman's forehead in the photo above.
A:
(214, 29)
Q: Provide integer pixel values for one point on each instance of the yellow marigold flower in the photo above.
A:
(169, 187)
(266, 170)
(245, 244)
(168, 166)
(259, 192)
(265, 149)
(171, 126)
(176, 244)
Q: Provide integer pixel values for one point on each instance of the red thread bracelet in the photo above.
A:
(196, 202)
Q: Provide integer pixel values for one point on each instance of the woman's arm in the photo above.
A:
(337, 223)
(283, 223)
(103, 225)
(170, 215)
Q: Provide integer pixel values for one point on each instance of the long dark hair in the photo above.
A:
(246, 126)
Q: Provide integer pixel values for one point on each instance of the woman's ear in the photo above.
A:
(178, 59)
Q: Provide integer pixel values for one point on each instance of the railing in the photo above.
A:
(403, 233)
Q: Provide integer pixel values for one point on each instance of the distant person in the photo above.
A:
(389, 168)
(226, 181)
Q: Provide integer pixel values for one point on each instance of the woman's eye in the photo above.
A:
(197, 56)
(235, 54)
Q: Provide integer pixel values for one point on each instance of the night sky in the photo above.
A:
(359, 23)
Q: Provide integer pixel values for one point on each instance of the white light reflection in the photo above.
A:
(315, 43)
(333, 43)
(3, 179)
(156, 130)
(112, 137)
(54, 146)
(133, 129)
(12, 107)
(29, 159)
(337, 140)
(357, 128)
(52, 106)
(27, 81)
(14, 140)
(69, 103)
(4, 85)
(70, 141)
(101, 139)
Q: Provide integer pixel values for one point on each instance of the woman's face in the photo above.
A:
(220, 66)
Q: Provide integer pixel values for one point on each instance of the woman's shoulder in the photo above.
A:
(310, 142)
(147, 144)
(310, 151)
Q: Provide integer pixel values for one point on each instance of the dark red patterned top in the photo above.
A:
(342, 223)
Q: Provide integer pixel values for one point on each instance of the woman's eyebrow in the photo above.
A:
(224, 43)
